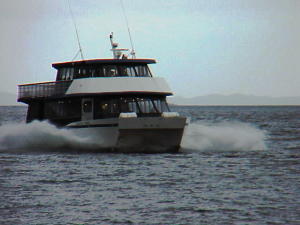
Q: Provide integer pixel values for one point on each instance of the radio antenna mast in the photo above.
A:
(76, 30)
(128, 29)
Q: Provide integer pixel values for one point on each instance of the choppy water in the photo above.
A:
(238, 165)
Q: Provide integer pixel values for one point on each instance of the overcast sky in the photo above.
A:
(202, 47)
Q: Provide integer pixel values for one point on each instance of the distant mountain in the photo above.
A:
(235, 99)
(8, 99)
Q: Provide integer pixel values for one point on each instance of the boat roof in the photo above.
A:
(103, 61)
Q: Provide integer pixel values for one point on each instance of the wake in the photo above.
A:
(42, 136)
(224, 136)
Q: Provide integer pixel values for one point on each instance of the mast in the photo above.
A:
(77, 34)
(128, 29)
(117, 52)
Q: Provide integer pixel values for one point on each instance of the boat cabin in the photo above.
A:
(53, 101)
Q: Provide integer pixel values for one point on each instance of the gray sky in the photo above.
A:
(203, 47)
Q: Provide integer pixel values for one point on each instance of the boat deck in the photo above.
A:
(43, 90)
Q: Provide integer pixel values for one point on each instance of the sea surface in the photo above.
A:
(237, 165)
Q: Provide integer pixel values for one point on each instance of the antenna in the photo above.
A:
(117, 52)
(77, 35)
(131, 42)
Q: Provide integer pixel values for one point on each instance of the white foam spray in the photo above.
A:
(224, 136)
(41, 136)
(227, 136)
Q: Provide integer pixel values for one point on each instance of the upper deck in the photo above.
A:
(90, 77)
(98, 76)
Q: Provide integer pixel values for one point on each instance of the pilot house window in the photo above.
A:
(103, 71)
(65, 74)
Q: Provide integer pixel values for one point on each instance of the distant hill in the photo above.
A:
(8, 99)
(235, 99)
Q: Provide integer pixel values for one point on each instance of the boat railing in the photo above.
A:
(42, 90)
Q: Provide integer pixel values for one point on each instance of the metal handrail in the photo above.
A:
(41, 90)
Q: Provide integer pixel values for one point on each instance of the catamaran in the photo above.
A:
(118, 101)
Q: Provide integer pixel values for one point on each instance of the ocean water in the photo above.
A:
(237, 165)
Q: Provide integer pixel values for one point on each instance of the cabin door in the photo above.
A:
(87, 109)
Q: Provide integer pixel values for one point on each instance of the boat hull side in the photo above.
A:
(149, 140)
(150, 134)
(134, 135)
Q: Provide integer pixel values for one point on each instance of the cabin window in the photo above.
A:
(92, 72)
(83, 73)
(132, 107)
(161, 106)
(151, 105)
(146, 105)
(99, 72)
(142, 71)
(104, 71)
(130, 71)
(69, 108)
(76, 73)
(112, 107)
(135, 71)
(65, 74)
(106, 108)
(110, 71)
(69, 73)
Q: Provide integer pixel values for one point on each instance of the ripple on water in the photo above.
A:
(201, 186)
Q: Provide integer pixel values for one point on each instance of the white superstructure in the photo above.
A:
(103, 85)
